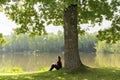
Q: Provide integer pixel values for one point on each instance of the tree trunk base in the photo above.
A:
(82, 69)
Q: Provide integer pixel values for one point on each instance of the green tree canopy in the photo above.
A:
(113, 33)
(33, 15)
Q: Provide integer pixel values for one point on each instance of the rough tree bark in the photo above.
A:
(71, 56)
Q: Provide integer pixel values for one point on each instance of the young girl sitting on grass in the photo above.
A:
(58, 65)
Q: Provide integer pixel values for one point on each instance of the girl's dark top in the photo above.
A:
(59, 64)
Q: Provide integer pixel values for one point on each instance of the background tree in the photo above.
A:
(87, 43)
(2, 40)
(70, 13)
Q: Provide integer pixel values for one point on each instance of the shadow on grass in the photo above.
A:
(89, 74)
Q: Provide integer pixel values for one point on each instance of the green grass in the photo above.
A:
(11, 69)
(89, 74)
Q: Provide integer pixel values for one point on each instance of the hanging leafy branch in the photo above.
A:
(112, 34)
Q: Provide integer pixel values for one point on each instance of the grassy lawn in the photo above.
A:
(89, 74)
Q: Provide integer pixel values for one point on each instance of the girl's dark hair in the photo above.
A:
(59, 57)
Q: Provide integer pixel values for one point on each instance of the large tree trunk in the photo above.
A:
(71, 56)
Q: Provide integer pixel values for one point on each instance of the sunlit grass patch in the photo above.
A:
(43, 69)
(11, 69)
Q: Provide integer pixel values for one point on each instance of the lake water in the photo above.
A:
(32, 62)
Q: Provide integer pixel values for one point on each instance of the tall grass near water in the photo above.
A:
(108, 60)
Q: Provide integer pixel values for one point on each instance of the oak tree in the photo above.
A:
(33, 15)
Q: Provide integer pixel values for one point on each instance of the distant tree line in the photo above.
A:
(50, 43)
